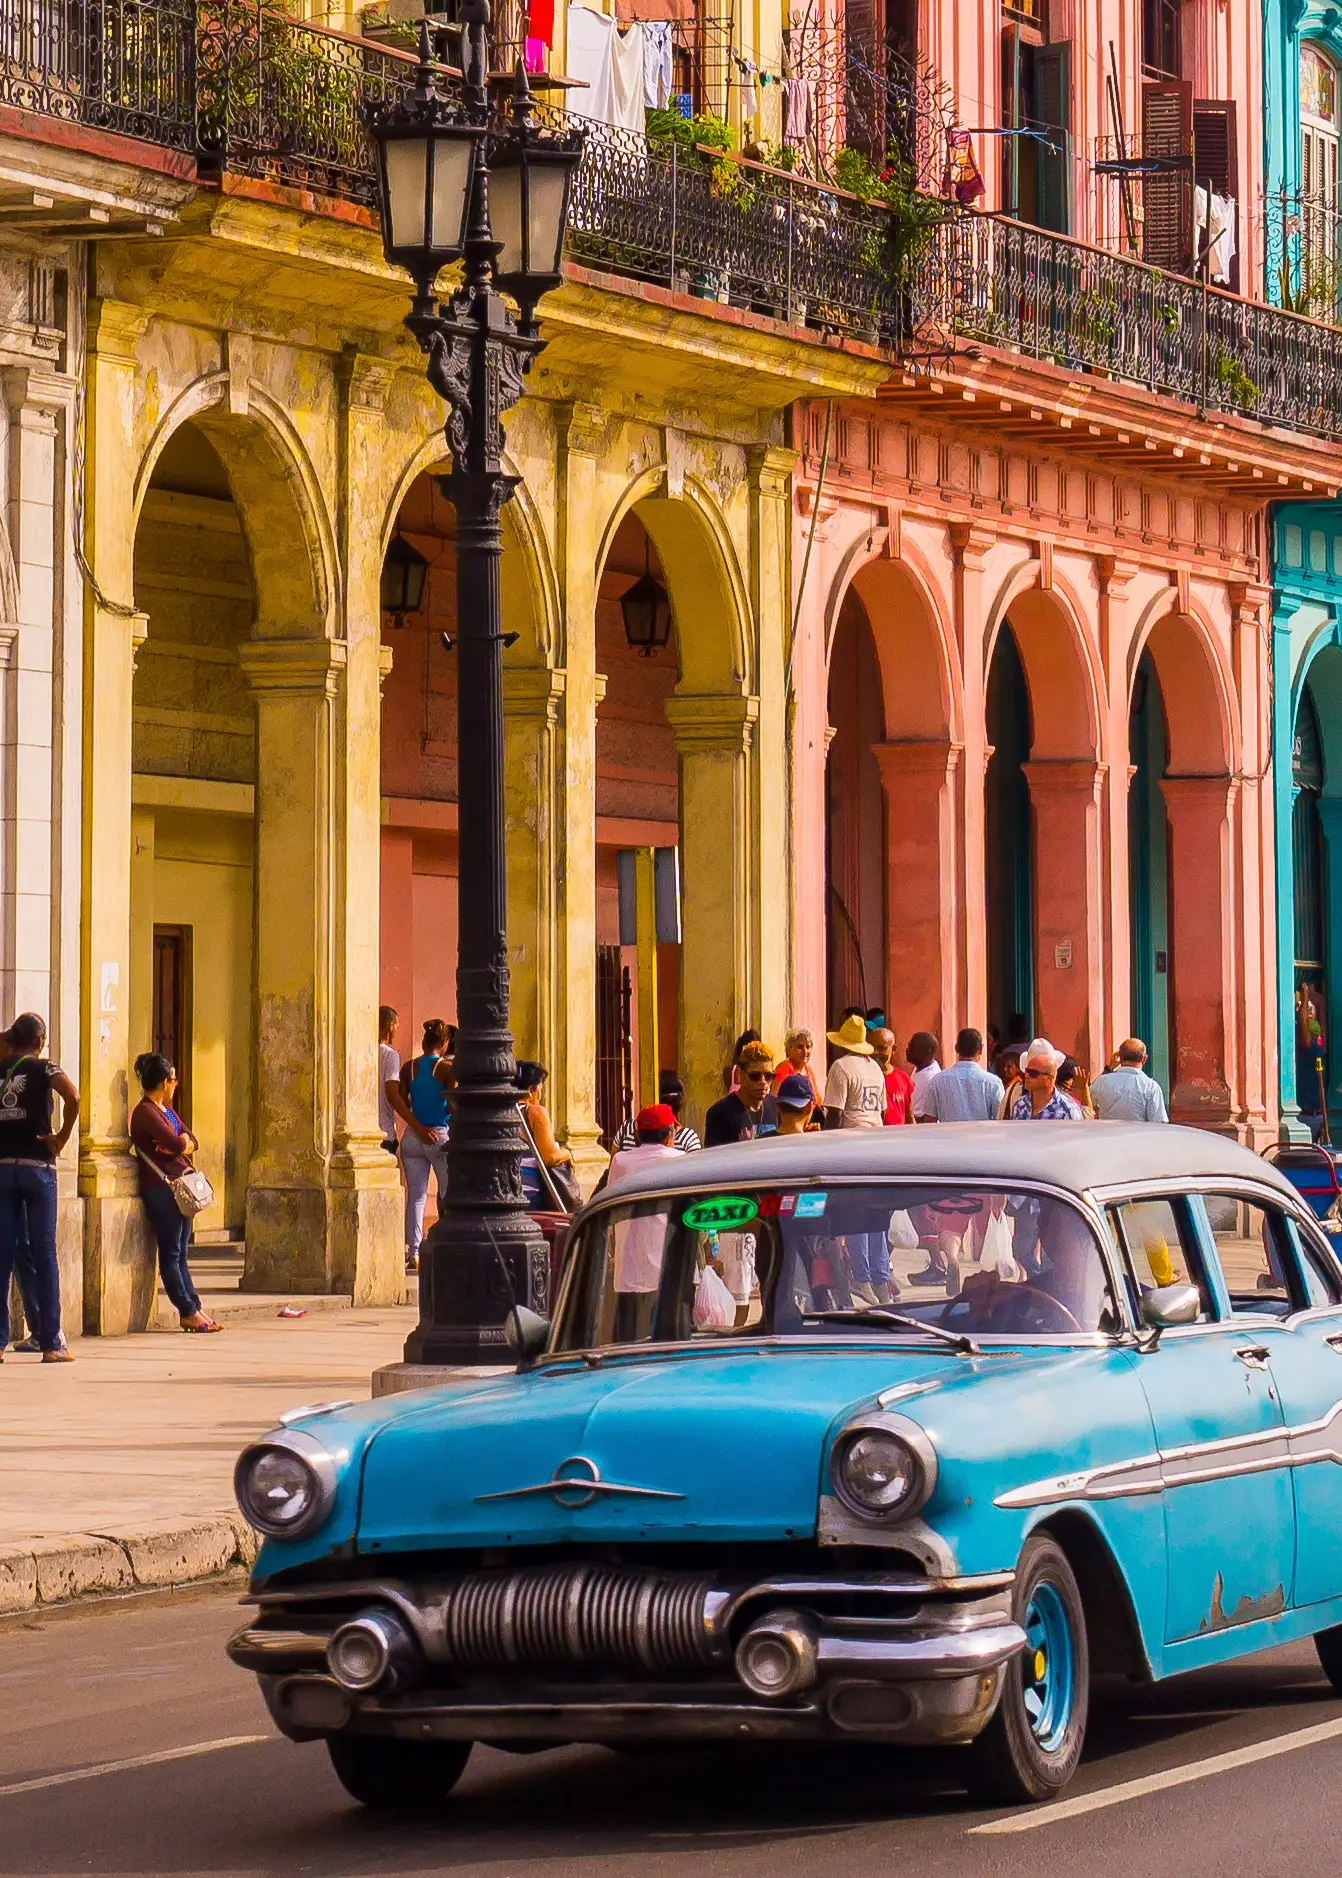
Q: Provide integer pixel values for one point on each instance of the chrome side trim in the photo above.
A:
(1263, 1451)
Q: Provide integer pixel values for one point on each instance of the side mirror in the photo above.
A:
(1169, 1305)
(528, 1334)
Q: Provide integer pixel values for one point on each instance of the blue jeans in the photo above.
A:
(869, 1257)
(28, 1211)
(172, 1229)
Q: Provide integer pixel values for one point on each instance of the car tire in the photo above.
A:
(1030, 1748)
(379, 1771)
(1328, 1644)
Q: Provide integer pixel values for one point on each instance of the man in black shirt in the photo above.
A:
(28, 1150)
(749, 1111)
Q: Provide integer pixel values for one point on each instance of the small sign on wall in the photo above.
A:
(1062, 955)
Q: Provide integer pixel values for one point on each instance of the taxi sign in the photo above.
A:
(723, 1213)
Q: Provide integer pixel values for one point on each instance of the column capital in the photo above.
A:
(1250, 604)
(115, 329)
(713, 722)
(1115, 574)
(771, 468)
(302, 666)
(386, 658)
(582, 429)
(902, 762)
(1191, 794)
(1065, 776)
(533, 691)
(139, 632)
(365, 380)
(36, 397)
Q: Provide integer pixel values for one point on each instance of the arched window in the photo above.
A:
(1319, 141)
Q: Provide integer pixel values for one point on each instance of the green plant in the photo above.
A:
(779, 156)
(687, 133)
(1232, 378)
(1100, 316)
(856, 173)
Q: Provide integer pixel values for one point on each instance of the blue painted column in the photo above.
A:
(1330, 816)
(1283, 797)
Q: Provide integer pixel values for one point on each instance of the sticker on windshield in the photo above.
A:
(810, 1205)
(720, 1214)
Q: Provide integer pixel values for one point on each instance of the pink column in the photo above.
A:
(920, 884)
(971, 545)
(397, 974)
(1201, 945)
(1069, 943)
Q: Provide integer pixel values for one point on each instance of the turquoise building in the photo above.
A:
(1302, 47)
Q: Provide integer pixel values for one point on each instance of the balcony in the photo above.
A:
(121, 66)
(985, 278)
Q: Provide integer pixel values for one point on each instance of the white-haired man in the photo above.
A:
(1041, 1100)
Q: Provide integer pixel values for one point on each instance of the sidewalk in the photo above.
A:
(116, 1470)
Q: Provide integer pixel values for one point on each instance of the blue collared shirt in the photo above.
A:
(1058, 1108)
(1128, 1094)
(966, 1092)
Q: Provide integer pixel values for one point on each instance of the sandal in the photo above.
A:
(202, 1330)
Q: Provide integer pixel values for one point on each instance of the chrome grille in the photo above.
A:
(580, 1613)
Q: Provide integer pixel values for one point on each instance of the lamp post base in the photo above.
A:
(470, 1277)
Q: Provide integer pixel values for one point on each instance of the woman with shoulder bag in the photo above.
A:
(172, 1190)
(547, 1169)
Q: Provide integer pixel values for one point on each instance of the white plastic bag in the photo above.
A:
(902, 1234)
(995, 1254)
(714, 1305)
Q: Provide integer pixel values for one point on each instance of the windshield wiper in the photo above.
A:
(873, 1314)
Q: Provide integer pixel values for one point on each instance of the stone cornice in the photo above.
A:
(115, 329)
(712, 722)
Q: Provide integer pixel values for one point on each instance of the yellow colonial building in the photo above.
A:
(266, 782)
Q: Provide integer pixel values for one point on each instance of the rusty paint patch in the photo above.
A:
(1247, 1611)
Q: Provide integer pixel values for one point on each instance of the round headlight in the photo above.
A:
(880, 1473)
(283, 1488)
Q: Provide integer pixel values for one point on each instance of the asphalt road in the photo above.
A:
(84, 1692)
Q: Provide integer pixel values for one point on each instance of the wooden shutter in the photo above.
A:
(865, 128)
(1216, 159)
(1010, 117)
(1053, 113)
(1167, 131)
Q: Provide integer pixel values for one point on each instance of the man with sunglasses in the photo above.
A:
(1040, 1099)
(749, 1111)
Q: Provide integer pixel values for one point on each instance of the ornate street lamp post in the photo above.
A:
(440, 160)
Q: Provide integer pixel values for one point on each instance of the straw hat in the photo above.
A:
(852, 1037)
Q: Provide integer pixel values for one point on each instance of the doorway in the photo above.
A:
(1009, 839)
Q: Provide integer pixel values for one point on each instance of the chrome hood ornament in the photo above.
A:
(576, 1482)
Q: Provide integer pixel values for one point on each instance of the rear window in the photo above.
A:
(794, 1261)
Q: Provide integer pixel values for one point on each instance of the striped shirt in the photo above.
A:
(684, 1138)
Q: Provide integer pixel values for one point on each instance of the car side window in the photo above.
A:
(1254, 1253)
(1152, 1240)
(1318, 1268)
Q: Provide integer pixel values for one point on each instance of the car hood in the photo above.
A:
(724, 1445)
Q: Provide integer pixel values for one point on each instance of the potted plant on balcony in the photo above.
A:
(695, 139)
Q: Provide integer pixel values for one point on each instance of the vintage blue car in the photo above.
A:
(896, 1436)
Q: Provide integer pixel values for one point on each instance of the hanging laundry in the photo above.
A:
(1214, 242)
(657, 70)
(798, 109)
(589, 59)
(750, 102)
(965, 177)
(535, 54)
(627, 77)
(541, 23)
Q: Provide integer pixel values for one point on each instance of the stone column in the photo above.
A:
(119, 1270)
(970, 546)
(1251, 1065)
(1283, 794)
(290, 1238)
(714, 735)
(1069, 938)
(1201, 946)
(919, 783)
(572, 1084)
(1115, 963)
(533, 697)
(1330, 819)
(365, 1252)
(770, 538)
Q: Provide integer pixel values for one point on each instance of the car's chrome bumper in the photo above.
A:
(929, 1672)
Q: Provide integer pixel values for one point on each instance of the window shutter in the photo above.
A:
(1216, 157)
(864, 128)
(1011, 117)
(1167, 131)
(1053, 105)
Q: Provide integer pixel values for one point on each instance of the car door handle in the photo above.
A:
(1255, 1357)
(1335, 1342)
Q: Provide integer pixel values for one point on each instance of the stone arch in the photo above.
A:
(290, 538)
(1199, 784)
(706, 588)
(1064, 691)
(531, 603)
(891, 793)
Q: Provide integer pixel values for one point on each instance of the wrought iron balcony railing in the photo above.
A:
(116, 65)
(983, 277)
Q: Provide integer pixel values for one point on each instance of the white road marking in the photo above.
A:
(1029, 1820)
(134, 1760)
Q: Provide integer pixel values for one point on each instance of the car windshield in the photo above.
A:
(809, 1260)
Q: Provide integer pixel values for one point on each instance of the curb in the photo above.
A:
(57, 1569)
